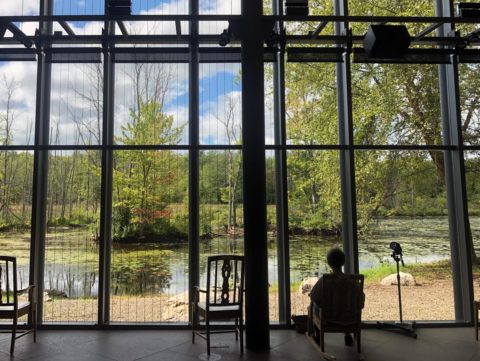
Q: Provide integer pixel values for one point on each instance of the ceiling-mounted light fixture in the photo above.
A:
(224, 38)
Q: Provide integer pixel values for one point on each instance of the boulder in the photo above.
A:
(46, 297)
(406, 279)
(307, 284)
(176, 308)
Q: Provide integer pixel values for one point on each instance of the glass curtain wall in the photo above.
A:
(313, 174)
(149, 264)
(71, 272)
(17, 115)
(400, 173)
(401, 194)
(470, 125)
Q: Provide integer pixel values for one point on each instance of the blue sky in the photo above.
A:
(218, 81)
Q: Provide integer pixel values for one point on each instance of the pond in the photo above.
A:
(71, 257)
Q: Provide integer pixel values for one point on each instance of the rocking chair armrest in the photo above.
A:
(198, 289)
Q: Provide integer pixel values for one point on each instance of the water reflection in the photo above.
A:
(163, 268)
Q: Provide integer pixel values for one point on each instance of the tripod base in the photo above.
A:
(407, 329)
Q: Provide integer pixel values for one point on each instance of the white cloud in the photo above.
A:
(20, 7)
(23, 99)
(217, 113)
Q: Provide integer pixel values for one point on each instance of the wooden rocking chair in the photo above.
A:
(11, 307)
(223, 297)
(341, 308)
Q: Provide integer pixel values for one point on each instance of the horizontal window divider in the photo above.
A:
(117, 147)
(404, 147)
(362, 147)
(219, 147)
(307, 147)
(225, 17)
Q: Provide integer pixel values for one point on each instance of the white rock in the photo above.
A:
(307, 284)
(406, 279)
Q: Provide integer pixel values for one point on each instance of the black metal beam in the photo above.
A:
(426, 31)
(285, 18)
(346, 156)
(178, 28)
(67, 28)
(319, 29)
(40, 167)
(461, 246)
(123, 28)
(254, 179)
(193, 164)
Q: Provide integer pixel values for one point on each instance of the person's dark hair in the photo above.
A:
(335, 258)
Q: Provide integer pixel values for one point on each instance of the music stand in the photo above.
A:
(407, 328)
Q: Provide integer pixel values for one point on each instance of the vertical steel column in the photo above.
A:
(254, 190)
(193, 160)
(107, 175)
(347, 160)
(281, 192)
(40, 167)
(460, 243)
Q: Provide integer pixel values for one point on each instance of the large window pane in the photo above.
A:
(220, 104)
(314, 212)
(149, 271)
(159, 7)
(273, 267)
(401, 197)
(76, 110)
(71, 255)
(31, 7)
(221, 198)
(392, 8)
(396, 104)
(472, 175)
(311, 99)
(75, 7)
(220, 7)
(16, 169)
(470, 103)
(17, 103)
(151, 104)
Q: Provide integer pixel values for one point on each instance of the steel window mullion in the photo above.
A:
(347, 163)
(194, 163)
(106, 180)
(460, 243)
(281, 192)
(40, 168)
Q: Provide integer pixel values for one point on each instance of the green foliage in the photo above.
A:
(147, 272)
(144, 179)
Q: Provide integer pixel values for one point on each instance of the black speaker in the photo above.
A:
(386, 41)
(119, 7)
(296, 7)
(468, 10)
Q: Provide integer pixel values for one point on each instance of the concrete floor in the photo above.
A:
(452, 344)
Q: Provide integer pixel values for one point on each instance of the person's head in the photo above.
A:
(336, 258)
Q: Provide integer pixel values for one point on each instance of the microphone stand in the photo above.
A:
(407, 328)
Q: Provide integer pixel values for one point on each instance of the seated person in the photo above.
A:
(335, 259)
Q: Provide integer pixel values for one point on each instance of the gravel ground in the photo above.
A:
(428, 301)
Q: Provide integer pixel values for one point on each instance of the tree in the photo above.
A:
(143, 178)
(233, 158)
